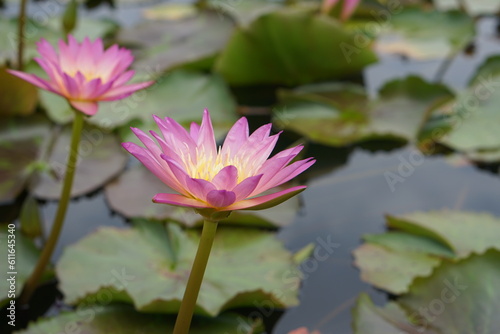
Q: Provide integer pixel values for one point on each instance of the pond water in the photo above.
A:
(345, 201)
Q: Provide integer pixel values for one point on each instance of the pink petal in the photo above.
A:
(252, 144)
(149, 143)
(199, 188)
(176, 136)
(123, 78)
(178, 200)
(221, 198)
(267, 201)
(71, 86)
(236, 136)
(349, 8)
(206, 137)
(47, 51)
(246, 187)
(33, 79)
(85, 58)
(167, 150)
(87, 107)
(226, 178)
(121, 92)
(151, 163)
(286, 174)
(194, 131)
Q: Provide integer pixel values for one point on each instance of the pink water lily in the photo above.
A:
(214, 180)
(84, 73)
(348, 7)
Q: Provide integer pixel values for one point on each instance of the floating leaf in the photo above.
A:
(462, 232)
(20, 143)
(341, 114)
(455, 299)
(181, 95)
(18, 96)
(26, 257)
(244, 11)
(291, 46)
(164, 44)
(114, 319)
(472, 7)
(369, 319)
(422, 242)
(245, 267)
(470, 119)
(100, 158)
(412, 32)
(390, 270)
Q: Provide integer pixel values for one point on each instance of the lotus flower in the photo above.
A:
(218, 181)
(348, 7)
(84, 73)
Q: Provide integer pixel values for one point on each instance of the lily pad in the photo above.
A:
(26, 257)
(21, 140)
(245, 267)
(470, 119)
(343, 115)
(472, 7)
(18, 96)
(392, 270)
(164, 44)
(114, 319)
(422, 242)
(291, 46)
(244, 12)
(181, 95)
(132, 192)
(455, 299)
(100, 159)
(412, 32)
(463, 232)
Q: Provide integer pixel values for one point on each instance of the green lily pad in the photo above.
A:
(291, 46)
(164, 44)
(463, 232)
(471, 117)
(392, 270)
(18, 96)
(132, 192)
(100, 159)
(21, 140)
(246, 268)
(473, 7)
(370, 319)
(338, 114)
(455, 299)
(412, 32)
(181, 95)
(244, 12)
(422, 242)
(26, 257)
(114, 319)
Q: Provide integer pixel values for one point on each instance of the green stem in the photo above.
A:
(32, 282)
(20, 32)
(195, 278)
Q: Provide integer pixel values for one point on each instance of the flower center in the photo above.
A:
(206, 166)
